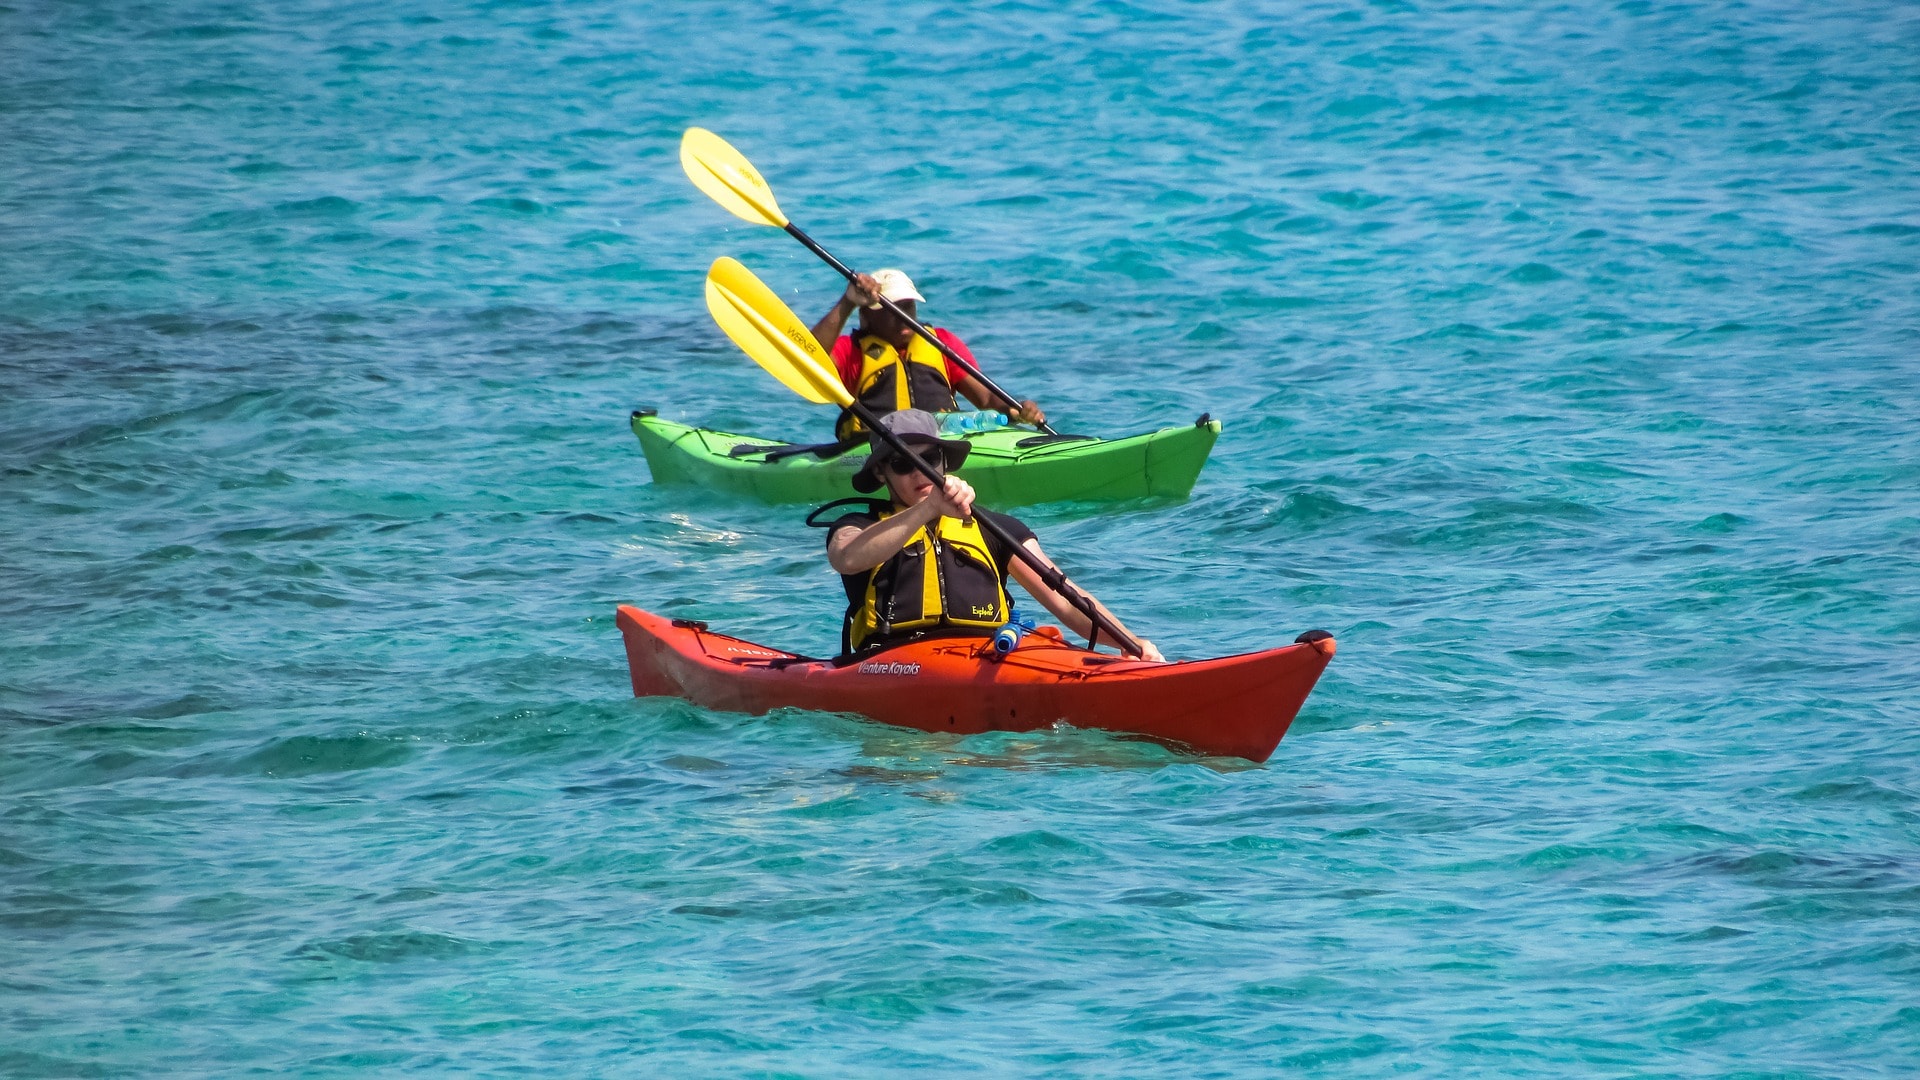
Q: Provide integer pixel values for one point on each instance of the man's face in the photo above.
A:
(890, 327)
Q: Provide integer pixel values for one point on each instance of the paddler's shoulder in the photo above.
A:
(1012, 525)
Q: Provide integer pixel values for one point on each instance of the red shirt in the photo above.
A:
(847, 359)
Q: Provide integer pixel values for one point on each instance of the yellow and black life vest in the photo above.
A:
(948, 580)
(887, 384)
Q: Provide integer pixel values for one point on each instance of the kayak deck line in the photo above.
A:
(1234, 706)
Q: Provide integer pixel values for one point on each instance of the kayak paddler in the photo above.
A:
(888, 366)
(921, 564)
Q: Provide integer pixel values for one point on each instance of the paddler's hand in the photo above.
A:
(1149, 652)
(1028, 413)
(954, 499)
(863, 291)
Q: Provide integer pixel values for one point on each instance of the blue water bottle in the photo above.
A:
(1005, 638)
(966, 423)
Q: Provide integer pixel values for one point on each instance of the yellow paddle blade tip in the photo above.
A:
(771, 334)
(728, 178)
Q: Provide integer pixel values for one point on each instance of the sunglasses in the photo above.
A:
(903, 464)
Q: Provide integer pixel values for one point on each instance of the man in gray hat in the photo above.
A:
(922, 565)
(888, 366)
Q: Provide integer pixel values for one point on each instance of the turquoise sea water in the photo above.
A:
(1567, 360)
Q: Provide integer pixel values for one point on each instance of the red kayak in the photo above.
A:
(1235, 706)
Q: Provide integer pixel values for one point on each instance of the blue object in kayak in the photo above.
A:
(1005, 638)
(962, 423)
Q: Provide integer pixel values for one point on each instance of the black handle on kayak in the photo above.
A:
(1054, 579)
(1012, 403)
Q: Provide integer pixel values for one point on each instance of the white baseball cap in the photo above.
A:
(896, 286)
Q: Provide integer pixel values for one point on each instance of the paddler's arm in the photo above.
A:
(971, 388)
(1064, 610)
(1028, 412)
(861, 291)
(855, 551)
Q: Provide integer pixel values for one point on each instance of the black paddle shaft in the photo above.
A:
(847, 272)
(1055, 580)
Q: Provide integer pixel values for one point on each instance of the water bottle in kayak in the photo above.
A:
(964, 423)
(1005, 638)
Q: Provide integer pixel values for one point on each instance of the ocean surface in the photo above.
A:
(1568, 357)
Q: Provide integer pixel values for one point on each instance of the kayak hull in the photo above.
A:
(1006, 466)
(1235, 706)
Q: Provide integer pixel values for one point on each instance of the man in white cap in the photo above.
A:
(889, 367)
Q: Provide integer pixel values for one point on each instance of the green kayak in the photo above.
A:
(1007, 466)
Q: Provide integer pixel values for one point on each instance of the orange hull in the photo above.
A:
(1235, 706)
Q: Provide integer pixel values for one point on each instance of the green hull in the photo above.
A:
(1002, 471)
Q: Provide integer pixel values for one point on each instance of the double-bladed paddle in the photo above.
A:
(728, 178)
(769, 332)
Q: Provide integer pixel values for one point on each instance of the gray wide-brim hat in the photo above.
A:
(915, 427)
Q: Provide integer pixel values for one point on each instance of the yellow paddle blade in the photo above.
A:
(728, 178)
(769, 332)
